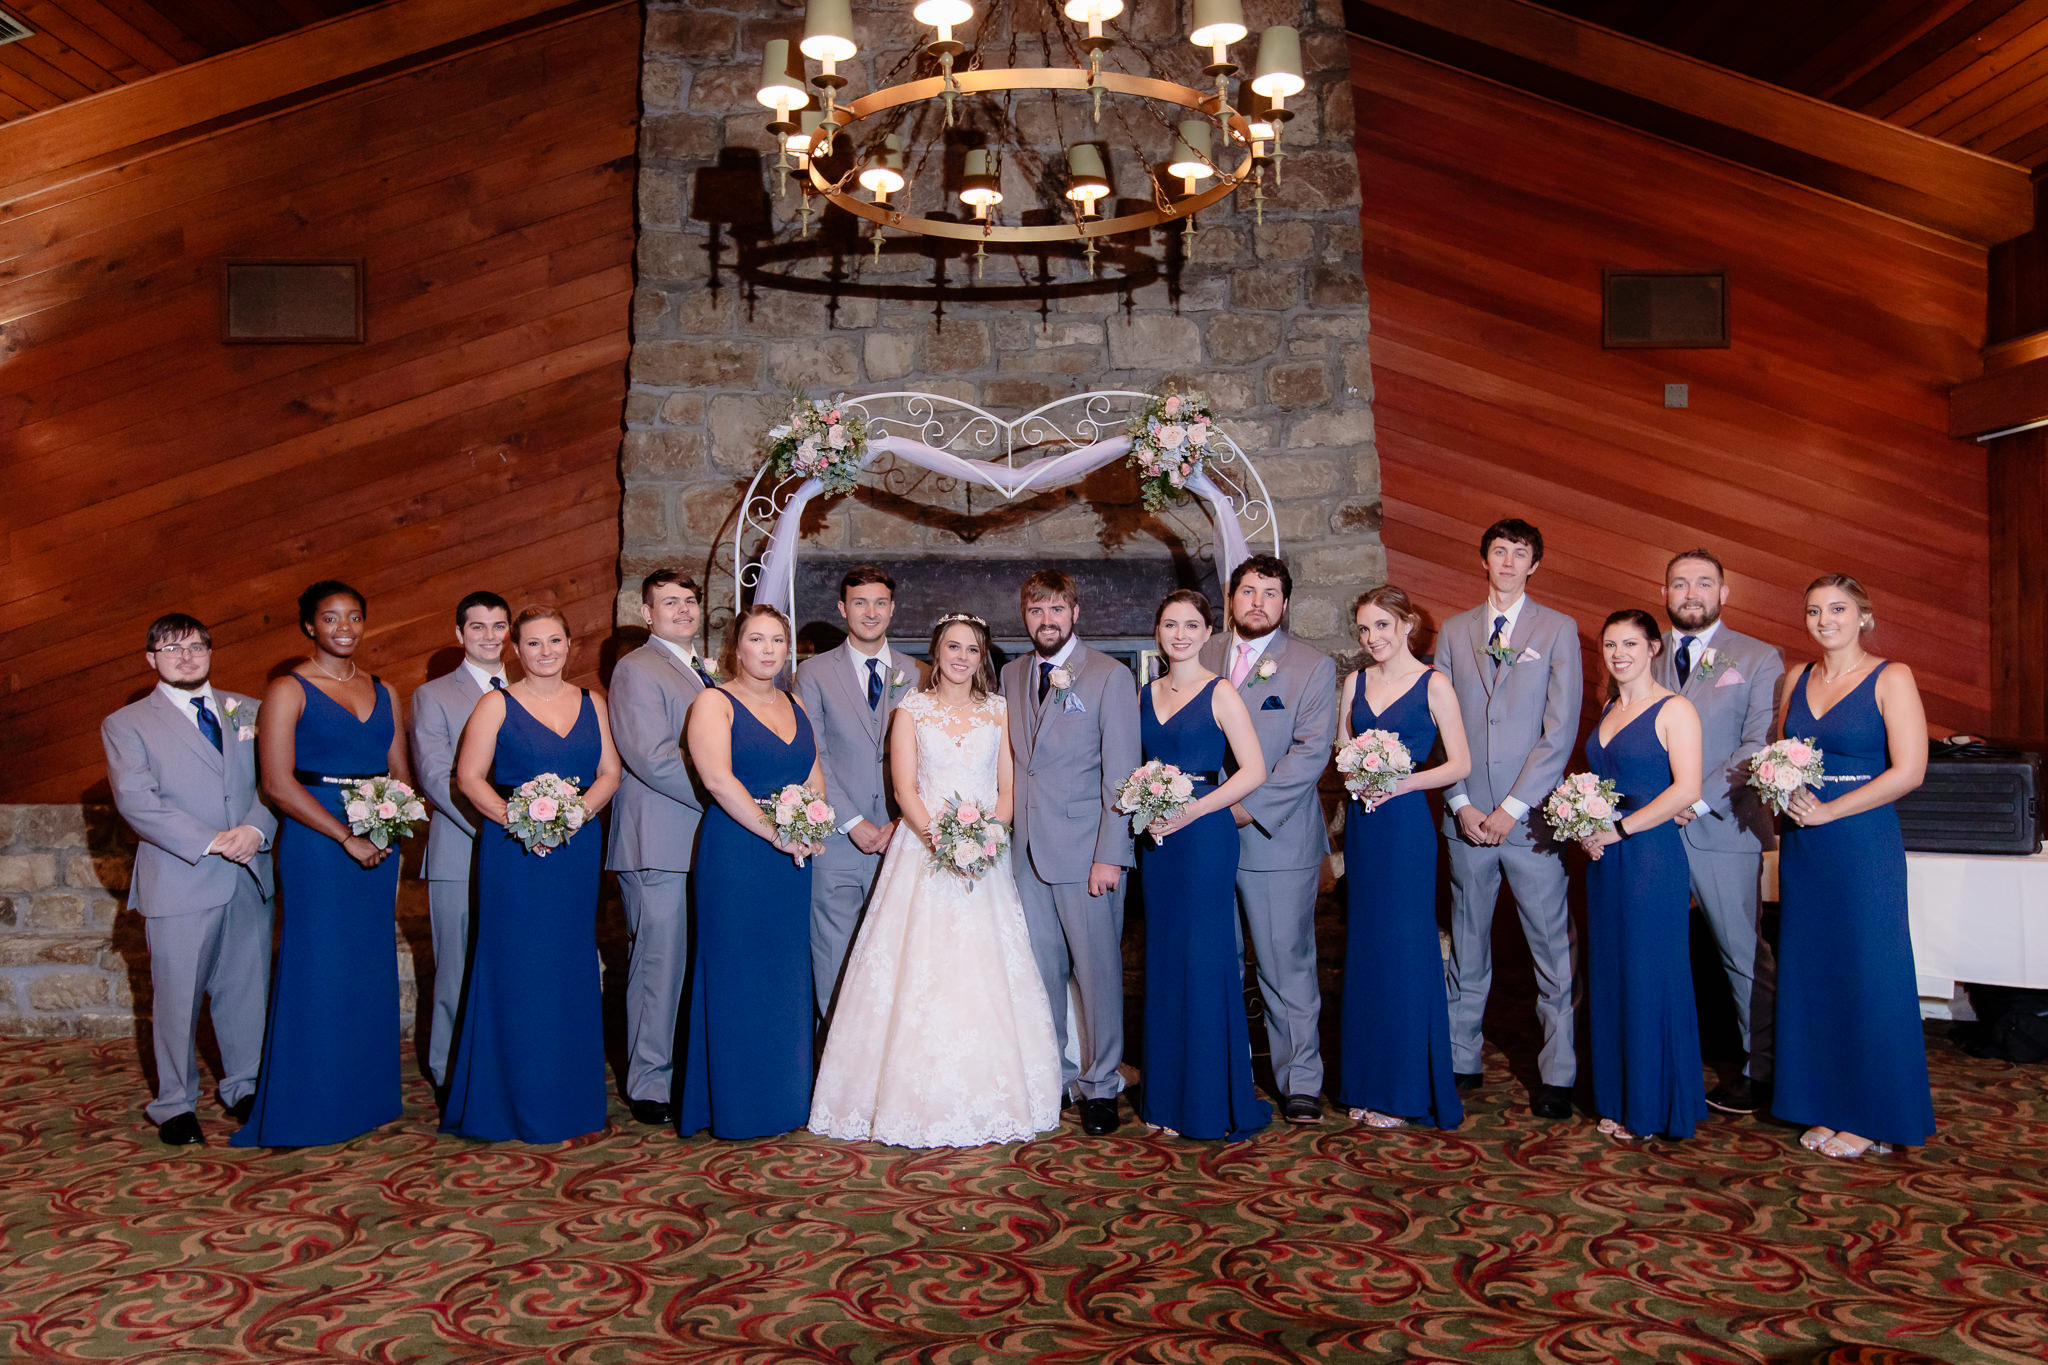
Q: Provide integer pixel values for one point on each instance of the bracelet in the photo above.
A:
(1621, 831)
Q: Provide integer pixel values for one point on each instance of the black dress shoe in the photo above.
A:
(1468, 1080)
(1739, 1096)
(180, 1130)
(651, 1112)
(1551, 1102)
(1099, 1117)
(244, 1108)
(1301, 1109)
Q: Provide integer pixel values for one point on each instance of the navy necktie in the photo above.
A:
(1044, 680)
(497, 683)
(208, 726)
(1685, 644)
(697, 667)
(1500, 637)
(874, 683)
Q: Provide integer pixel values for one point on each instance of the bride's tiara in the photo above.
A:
(952, 616)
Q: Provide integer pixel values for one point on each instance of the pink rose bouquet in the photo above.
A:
(1170, 445)
(967, 839)
(544, 812)
(1779, 771)
(382, 809)
(800, 815)
(1154, 791)
(823, 441)
(1582, 804)
(1371, 763)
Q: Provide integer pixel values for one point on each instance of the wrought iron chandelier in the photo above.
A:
(968, 93)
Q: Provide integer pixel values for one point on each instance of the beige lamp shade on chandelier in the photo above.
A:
(807, 119)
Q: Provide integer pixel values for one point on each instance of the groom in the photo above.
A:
(1074, 739)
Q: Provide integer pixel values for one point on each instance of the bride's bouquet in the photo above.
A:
(1778, 771)
(1154, 791)
(542, 813)
(967, 840)
(382, 809)
(1372, 763)
(800, 815)
(1582, 804)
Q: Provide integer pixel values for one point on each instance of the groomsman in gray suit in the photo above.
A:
(1732, 680)
(848, 693)
(1073, 716)
(1291, 690)
(654, 829)
(440, 708)
(182, 765)
(1515, 666)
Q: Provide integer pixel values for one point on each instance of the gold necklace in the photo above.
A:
(352, 670)
(1827, 677)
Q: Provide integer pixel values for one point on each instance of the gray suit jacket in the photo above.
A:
(176, 793)
(440, 708)
(1287, 831)
(1736, 694)
(1071, 759)
(655, 814)
(853, 744)
(1521, 719)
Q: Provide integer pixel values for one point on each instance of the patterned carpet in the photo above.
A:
(1511, 1240)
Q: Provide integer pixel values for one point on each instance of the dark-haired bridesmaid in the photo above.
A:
(330, 1042)
(1647, 1076)
(1395, 1061)
(1852, 1061)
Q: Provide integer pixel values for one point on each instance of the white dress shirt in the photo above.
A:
(1516, 809)
(1258, 652)
(688, 656)
(860, 677)
(483, 675)
(1700, 640)
(182, 699)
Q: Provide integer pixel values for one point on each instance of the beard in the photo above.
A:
(1046, 651)
(1694, 617)
(1245, 632)
(188, 685)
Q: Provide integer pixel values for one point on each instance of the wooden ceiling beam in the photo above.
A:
(1795, 137)
(2003, 399)
(277, 68)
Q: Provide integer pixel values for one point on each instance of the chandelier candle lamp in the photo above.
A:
(956, 89)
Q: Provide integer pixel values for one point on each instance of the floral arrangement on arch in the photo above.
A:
(823, 441)
(1170, 445)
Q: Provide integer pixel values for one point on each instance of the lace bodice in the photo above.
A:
(957, 747)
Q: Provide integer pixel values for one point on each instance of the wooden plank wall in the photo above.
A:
(472, 443)
(1816, 442)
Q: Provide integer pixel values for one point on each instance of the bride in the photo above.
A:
(942, 1036)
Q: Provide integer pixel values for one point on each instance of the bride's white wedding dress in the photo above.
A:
(942, 1036)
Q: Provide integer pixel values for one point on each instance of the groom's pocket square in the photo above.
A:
(1729, 679)
(1073, 704)
(1273, 704)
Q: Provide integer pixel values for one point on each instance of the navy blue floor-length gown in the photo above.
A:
(1396, 1053)
(528, 1060)
(1646, 1034)
(330, 1042)
(1198, 1052)
(1851, 1055)
(746, 1044)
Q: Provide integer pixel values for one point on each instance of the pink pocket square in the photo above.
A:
(1729, 679)
(1528, 655)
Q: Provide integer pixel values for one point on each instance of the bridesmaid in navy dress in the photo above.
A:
(330, 1042)
(1852, 1061)
(1647, 1076)
(1197, 1080)
(528, 1058)
(747, 1025)
(1395, 1061)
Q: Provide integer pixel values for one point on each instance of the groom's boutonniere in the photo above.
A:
(1262, 671)
(1711, 662)
(234, 711)
(1061, 680)
(897, 682)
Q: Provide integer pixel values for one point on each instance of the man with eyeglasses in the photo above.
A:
(182, 766)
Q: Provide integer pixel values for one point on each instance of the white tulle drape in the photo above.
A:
(777, 585)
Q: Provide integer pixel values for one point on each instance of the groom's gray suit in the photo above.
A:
(1071, 755)
(1522, 722)
(1736, 694)
(853, 747)
(653, 838)
(440, 709)
(1280, 853)
(207, 919)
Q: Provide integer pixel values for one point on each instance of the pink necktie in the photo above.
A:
(1243, 666)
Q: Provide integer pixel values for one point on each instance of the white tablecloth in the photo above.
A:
(1977, 917)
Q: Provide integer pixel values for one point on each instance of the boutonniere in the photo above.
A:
(1262, 671)
(1061, 679)
(1502, 654)
(234, 710)
(897, 681)
(1711, 662)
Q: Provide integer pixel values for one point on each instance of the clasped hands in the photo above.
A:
(1808, 810)
(1485, 830)
(237, 845)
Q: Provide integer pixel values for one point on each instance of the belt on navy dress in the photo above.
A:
(312, 779)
